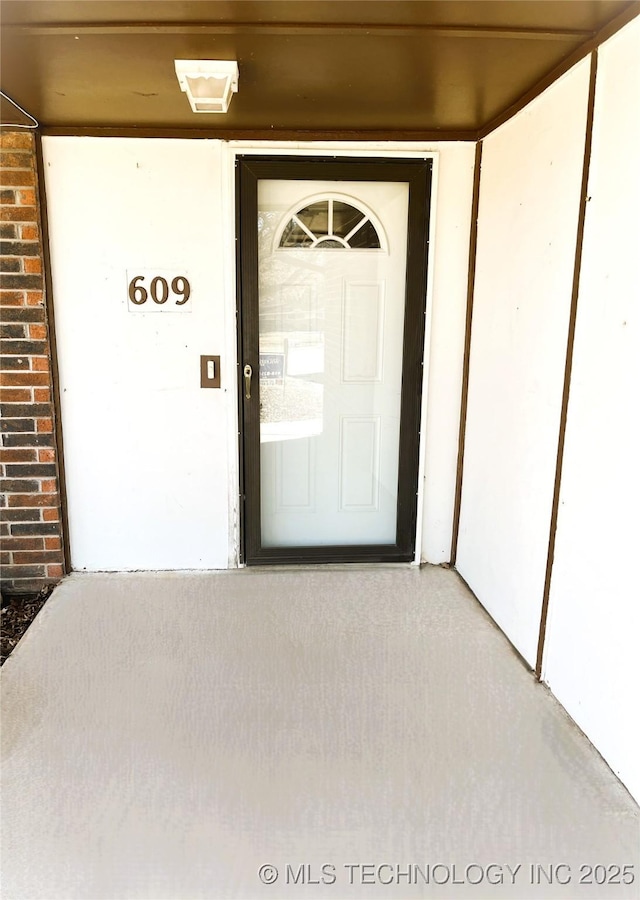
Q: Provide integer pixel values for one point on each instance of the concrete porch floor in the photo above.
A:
(167, 735)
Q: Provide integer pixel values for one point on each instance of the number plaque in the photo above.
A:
(158, 290)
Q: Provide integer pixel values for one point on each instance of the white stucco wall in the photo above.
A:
(146, 450)
(593, 632)
(445, 347)
(150, 457)
(529, 197)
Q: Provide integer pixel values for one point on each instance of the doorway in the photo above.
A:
(332, 273)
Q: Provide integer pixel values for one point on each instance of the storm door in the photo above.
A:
(332, 284)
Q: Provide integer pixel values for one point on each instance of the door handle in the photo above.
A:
(248, 372)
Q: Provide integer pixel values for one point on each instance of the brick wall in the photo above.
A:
(31, 530)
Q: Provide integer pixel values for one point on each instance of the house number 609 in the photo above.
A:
(159, 290)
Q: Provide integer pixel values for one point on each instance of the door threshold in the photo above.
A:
(329, 567)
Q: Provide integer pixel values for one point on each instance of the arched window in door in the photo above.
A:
(329, 223)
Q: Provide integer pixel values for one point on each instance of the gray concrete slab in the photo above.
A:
(167, 735)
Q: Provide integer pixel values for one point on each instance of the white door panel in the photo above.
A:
(331, 320)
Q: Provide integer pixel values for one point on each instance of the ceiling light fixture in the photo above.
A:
(208, 83)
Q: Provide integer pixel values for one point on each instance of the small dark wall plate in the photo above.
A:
(210, 371)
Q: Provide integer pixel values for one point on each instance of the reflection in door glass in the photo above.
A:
(330, 224)
(291, 389)
(291, 344)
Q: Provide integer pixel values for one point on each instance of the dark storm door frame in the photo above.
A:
(417, 174)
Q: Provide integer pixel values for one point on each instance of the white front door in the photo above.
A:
(332, 284)
(331, 276)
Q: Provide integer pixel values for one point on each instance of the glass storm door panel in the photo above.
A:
(331, 294)
(332, 285)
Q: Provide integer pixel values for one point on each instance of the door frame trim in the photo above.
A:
(418, 174)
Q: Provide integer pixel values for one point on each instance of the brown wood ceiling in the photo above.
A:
(362, 68)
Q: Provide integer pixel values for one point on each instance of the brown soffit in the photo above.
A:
(254, 134)
(326, 29)
(626, 16)
(562, 14)
(349, 71)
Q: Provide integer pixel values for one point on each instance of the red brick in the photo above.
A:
(25, 543)
(29, 501)
(27, 585)
(21, 379)
(11, 330)
(21, 159)
(13, 363)
(26, 557)
(16, 140)
(18, 517)
(23, 314)
(27, 198)
(31, 515)
(12, 298)
(29, 232)
(32, 265)
(18, 177)
(38, 332)
(18, 214)
(17, 395)
(18, 455)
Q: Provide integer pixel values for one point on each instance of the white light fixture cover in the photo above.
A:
(208, 83)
